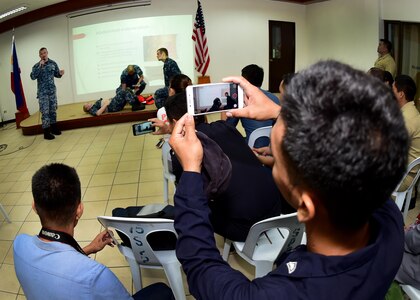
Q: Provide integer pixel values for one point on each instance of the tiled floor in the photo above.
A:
(116, 169)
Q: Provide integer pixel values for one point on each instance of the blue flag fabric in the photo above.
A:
(16, 82)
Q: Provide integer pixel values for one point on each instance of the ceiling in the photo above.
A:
(37, 9)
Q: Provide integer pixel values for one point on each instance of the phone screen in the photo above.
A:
(208, 98)
(142, 128)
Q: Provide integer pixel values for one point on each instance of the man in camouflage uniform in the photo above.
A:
(132, 77)
(110, 105)
(170, 69)
(44, 72)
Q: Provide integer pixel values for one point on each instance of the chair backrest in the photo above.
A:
(137, 230)
(257, 133)
(167, 161)
(405, 196)
(287, 222)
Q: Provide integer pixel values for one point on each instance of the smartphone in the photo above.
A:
(214, 97)
(143, 128)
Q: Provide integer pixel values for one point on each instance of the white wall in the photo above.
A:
(401, 10)
(237, 33)
(344, 30)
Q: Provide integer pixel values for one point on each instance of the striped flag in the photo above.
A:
(202, 57)
(16, 82)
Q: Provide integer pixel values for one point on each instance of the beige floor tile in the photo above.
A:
(132, 155)
(126, 177)
(32, 217)
(4, 249)
(42, 157)
(8, 231)
(20, 212)
(124, 275)
(6, 186)
(3, 176)
(89, 160)
(85, 169)
(97, 193)
(21, 167)
(119, 203)
(8, 282)
(153, 163)
(102, 179)
(76, 154)
(21, 186)
(106, 168)
(59, 155)
(151, 175)
(111, 257)
(72, 162)
(110, 157)
(92, 209)
(22, 297)
(122, 191)
(27, 175)
(25, 199)
(155, 153)
(86, 230)
(7, 296)
(35, 167)
(151, 200)
(31, 227)
(11, 198)
(84, 180)
(132, 165)
(152, 188)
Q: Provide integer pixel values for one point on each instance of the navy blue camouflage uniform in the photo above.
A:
(131, 80)
(116, 104)
(170, 69)
(47, 92)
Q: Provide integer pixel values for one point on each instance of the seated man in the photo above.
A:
(132, 77)
(404, 89)
(340, 149)
(255, 75)
(115, 104)
(52, 265)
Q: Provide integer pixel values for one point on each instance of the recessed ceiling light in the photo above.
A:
(12, 11)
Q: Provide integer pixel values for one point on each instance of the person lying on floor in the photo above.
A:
(339, 149)
(114, 104)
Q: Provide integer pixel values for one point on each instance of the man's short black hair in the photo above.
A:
(176, 107)
(407, 85)
(56, 192)
(387, 44)
(164, 50)
(179, 83)
(254, 74)
(345, 140)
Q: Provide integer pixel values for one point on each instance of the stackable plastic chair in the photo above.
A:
(258, 133)
(403, 198)
(167, 173)
(3, 211)
(267, 240)
(411, 292)
(141, 254)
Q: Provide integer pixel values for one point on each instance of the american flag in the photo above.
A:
(202, 57)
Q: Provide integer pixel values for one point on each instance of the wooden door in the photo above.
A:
(281, 52)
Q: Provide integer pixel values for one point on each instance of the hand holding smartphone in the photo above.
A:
(214, 97)
(143, 128)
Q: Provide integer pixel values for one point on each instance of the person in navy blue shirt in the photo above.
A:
(255, 75)
(340, 149)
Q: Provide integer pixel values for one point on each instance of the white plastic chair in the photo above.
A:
(267, 240)
(258, 133)
(403, 198)
(141, 253)
(411, 292)
(4, 212)
(167, 171)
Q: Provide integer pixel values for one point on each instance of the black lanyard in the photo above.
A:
(59, 236)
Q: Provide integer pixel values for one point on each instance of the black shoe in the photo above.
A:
(138, 106)
(55, 130)
(47, 134)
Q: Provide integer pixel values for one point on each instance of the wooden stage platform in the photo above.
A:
(71, 116)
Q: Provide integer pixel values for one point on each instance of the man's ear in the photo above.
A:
(306, 208)
(79, 210)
